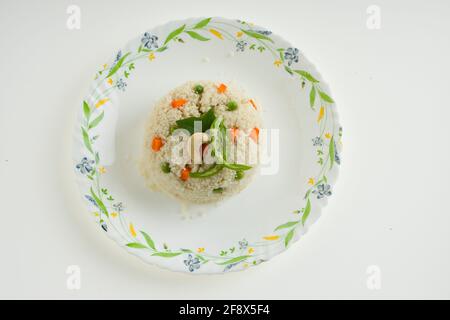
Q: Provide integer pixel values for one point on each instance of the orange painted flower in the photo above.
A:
(271, 238)
(110, 81)
(132, 230)
(278, 63)
(216, 33)
(101, 102)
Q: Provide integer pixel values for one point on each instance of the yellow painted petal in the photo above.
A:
(151, 56)
(200, 250)
(101, 102)
(278, 63)
(328, 135)
(321, 114)
(239, 34)
(110, 82)
(251, 250)
(271, 238)
(245, 265)
(102, 169)
(216, 33)
(132, 231)
(113, 214)
(311, 181)
(104, 66)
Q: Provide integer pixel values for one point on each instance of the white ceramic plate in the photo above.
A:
(267, 217)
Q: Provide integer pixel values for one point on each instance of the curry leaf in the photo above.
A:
(206, 120)
(215, 169)
(237, 167)
(174, 33)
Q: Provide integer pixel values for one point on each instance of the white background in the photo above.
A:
(390, 206)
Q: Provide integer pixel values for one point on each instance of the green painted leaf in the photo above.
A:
(234, 260)
(306, 212)
(136, 245)
(86, 110)
(86, 140)
(237, 167)
(312, 96)
(96, 121)
(174, 33)
(99, 203)
(289, 237)
(331, 151)
(197, 36)
(164, 48)
(117, 65)
(325, 97)
(286, 225)
(256, 35)
(288, 70)
(306, 75)
(202, 23)
(149, 240)
(206, 120)
(166, 254)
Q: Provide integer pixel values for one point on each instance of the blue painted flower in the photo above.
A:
(193, 263)
(91, 200)
(85, 165)
(291, 55)
(264, 32)
(121, 85)
(240, 45)
(337, 157)
(118, 56)
(230, 266)
(119, 207)
(317, 141)
(243, 244)
(323, 190)
(149, 41)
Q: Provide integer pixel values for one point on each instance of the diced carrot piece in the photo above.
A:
(185, 173)
(254, 134)
(234, 134)
(178, 103)
(222, 88)
(157, 144)
(253, 104)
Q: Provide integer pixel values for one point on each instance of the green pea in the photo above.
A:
(198, 89)
(218, 190)
(239, 175)
(165, 167)
(232, 105)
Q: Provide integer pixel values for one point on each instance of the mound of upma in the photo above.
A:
(201, 142)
